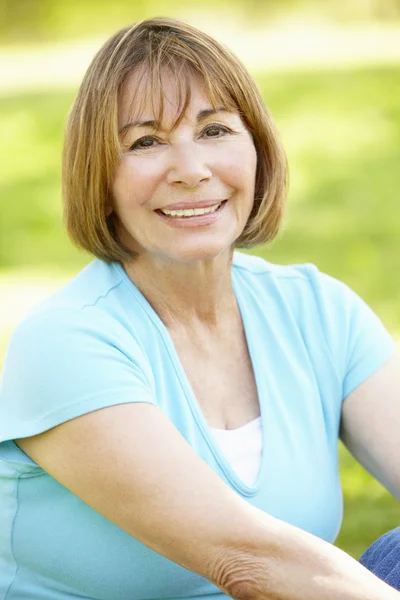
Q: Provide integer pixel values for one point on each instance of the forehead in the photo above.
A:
(144, 96)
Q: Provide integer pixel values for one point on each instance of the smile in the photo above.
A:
(191, 212)
(193, 217)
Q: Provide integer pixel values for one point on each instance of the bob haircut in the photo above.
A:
(92, 146)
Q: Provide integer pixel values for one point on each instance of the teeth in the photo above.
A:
(191, 212)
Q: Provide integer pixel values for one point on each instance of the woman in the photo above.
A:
(170, 418)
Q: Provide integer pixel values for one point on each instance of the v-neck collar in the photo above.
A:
(251, 333)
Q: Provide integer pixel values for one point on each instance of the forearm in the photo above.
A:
(289, 564)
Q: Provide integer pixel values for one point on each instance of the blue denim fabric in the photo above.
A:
(383, 558)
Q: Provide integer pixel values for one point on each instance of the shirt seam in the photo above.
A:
(89, 399)
(83, 403)
(12, 540)
(268, 271)
(102, 296)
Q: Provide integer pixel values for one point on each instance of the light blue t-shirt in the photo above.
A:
(98, 342)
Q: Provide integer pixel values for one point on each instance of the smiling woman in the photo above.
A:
(182, 167)
(116, 480)
(146, 75)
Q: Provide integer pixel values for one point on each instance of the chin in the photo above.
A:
(206, 252)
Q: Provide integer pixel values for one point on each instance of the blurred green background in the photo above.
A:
(329, 73)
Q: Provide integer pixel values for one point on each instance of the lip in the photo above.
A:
(191, 222)
(186, 205)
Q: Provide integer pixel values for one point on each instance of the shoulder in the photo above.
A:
(258, 266)
(327, 312)
(88, 298)
(297, 279)
(72, 354)
(93, 283)
(315, 299)
(84, 314)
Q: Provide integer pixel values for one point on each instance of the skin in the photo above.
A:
(184, 273)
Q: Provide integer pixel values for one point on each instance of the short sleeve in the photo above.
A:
(63, 363)
(358, 341)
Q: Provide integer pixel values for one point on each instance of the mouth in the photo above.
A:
(207, 217)
(191, 213)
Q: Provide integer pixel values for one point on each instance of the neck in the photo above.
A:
(188, 296)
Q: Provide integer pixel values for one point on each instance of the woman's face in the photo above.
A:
(209, 158)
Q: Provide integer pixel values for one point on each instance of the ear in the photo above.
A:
(109, 210)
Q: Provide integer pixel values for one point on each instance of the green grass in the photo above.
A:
(369, 510)
(31, 232)
(341, 131)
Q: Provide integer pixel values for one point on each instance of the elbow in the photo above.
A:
(241, 590)
(236, 577)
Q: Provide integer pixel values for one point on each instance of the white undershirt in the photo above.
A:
(242, 447)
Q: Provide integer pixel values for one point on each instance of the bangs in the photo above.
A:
(149, 91)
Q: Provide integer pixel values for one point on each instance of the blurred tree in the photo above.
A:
(49, 20)
(380, 10)
(23, 19)
(28, 21)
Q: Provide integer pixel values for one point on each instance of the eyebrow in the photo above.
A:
(201, 116)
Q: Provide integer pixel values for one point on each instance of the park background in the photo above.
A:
(329, 73)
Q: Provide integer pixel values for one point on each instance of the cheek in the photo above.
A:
(133, 183)
(240, 165)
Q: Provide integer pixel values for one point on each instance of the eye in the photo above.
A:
(216, 128)
(147, 142)
(141, 144)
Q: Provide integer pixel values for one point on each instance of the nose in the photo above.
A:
(188, 166)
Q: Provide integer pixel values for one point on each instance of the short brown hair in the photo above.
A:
(92, 148)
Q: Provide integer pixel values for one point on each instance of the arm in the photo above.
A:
(116, 457)
(370, 425)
